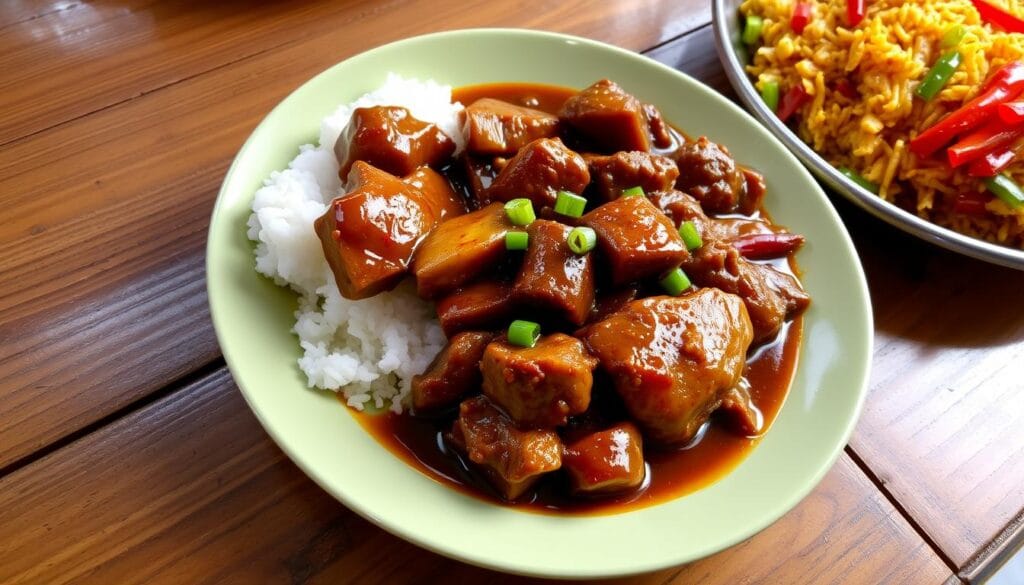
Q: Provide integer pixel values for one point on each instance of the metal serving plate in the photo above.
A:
(726, 23)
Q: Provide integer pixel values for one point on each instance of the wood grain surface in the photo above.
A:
(943, 426)
(162, 43)
(118, 119)
(191, 490)
(106, 215)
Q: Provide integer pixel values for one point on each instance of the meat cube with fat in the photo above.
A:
(511, 459)
(485, 304)
(496, 127)
(438, 192)
(680, 207)
(454, 373)
(370, 234)
(769, 295)
(459, 250)
(672, 359)
(743, 416)
(538, 172)
(610, 175)
(708, 172)
(391, 139)
(552, 279)
(606, 462)
(608, 118)
(539, 386)
(637, 240)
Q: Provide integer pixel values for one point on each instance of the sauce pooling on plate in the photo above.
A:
(623, 319)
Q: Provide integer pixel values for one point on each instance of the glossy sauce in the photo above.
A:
(715, 451)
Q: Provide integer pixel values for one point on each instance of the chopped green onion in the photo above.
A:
(516, 240)
(952, 37)
(1005, 189)
(633, 192)
(570, 204)
(675, 282)
(938, 76)
(520, 211)
(581, 240)
(770, 94)
(523, 333)
(752, 29)
(860, 180)
(691, 237)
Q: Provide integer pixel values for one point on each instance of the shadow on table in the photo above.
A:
(922, 292)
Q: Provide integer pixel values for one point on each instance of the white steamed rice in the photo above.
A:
(368, 350)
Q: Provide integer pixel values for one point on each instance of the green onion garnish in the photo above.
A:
(952, 37)
(520, 211)
(570, 204)
(752, 30)
(770, 94)
(691, 237)
(516, 240)
(633, 192)
(523, 333)
(675, 282)
(1006, 189)
(860, 180)
(938, 75)
(581, 240)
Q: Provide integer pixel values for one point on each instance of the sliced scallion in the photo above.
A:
(570, 204)
(520, 211)
(633, 192)
(675, 282)
(938, 76)
(1006, 190)
(770, 94)
(691, 237)
(581, 240)
(516, 240)
(859, 179)
(752, 29)
(523, 333)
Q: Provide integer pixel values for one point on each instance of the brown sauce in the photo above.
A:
(670, 474)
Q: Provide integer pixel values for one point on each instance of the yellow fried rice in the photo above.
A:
(885, 58)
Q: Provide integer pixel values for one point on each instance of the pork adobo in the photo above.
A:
(603, 317)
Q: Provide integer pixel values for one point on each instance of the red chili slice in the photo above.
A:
(1006, 83)
(972, 203)
(763, 246)
(801, 16)
(791, 101)
(993, 137)
(855, 10)
(998, 17)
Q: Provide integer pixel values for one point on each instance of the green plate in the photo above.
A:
(253, 318)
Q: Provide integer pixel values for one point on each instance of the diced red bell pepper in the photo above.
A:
(994, 136)
(998, 17)
(791, 101)
(763, 246)
(855, 10)
(1006, 83)
(1011, 112)
(844, 87)
(801, 16)
(971, 203)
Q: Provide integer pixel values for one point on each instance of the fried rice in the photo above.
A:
(884, 58)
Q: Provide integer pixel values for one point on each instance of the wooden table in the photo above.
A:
(127, 453)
